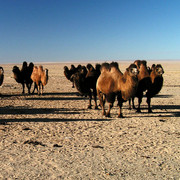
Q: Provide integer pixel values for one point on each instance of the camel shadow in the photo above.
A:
(10, 110)
(50, 120)
(170, 111)
(61, 93)
(160, 96)
(44, 94)
(166, 107)
(27, 111)
(163, 96)
(71, 96)
(55, 98)
(172, 85)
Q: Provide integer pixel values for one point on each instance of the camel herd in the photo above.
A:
(27, 75)
(105, 81)
(108, 83)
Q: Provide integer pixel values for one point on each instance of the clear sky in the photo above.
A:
(77, 30)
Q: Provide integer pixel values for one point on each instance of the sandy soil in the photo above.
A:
(55, 136)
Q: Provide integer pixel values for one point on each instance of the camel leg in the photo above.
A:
(95, 98)
(42, 88)
(110, 98)
(28, 87)
(35, 87)
(139, 103)
(39, 88)
(90, 98)
(102, 101)
(149, 104)
(23, 88)
(109, 109)
(120, 103)
(133, 103)
(73, 84)
(130, 104)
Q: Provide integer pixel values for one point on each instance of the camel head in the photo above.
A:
(1, 70)
(46, 72)
(159, 70)
(66, 68)
(83, 70)
(15, 70)
(90, 67)
(133, 70)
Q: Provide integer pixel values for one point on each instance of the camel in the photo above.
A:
(85, 82)
(144, 83)
(23, 76)
(40, 78)
(157, 82)
(113, 83)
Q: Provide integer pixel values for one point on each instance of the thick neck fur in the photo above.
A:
(154, 75)
(81, 83)
(128, 85)
(44, 77)
(143, 72)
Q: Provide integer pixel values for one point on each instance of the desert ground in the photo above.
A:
(55, 136)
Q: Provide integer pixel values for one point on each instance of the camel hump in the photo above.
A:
(105, 67)
(114, 65)
(16, 69)
(40, 68)
(90, 67)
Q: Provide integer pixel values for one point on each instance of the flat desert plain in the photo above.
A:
(55, 136)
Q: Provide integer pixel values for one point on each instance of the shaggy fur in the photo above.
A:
(144, 82)
(23, 76)
(85, 82)
(69, 72)
(40, 78)
(112, 82)
(157, 83)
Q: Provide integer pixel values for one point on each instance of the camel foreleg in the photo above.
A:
(102, 101)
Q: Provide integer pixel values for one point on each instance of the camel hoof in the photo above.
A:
(120, 116)
(107, 115)
(149, 111)
(96, 107)
(138, 111)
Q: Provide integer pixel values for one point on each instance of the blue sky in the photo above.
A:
(83, 30)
